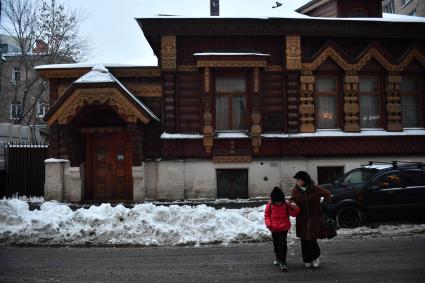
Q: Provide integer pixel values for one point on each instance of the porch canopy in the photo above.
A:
(98, 86)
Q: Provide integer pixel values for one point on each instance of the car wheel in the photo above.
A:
(349, 217)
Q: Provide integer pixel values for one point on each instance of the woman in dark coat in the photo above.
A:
(307, 196)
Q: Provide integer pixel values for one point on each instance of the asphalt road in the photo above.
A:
(363, 260)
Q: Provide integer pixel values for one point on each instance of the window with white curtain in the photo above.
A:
(230, 103)
(411, 102)
(15, 110)
(326, 102)
(370, 102)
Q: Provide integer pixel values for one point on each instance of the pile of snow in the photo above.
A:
(149, 225)
(145, 224)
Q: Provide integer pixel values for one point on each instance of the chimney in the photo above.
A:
(214, 8)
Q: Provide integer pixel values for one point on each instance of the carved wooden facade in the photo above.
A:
(283, 58)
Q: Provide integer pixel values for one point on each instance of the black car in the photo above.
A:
(378, 189)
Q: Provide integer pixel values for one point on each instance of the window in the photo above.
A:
(232, 183)
(413, 178)
(370, 102)
(389, 7)
(405, 2)
(41, 109)
(326, 102)
(411, 102)
(328, 174)
(230, 103)
(412, 13)
(15, 110)
(357, 178)
(389, 181)
(16, 75)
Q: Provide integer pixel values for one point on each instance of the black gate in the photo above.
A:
(24, 174)
(232, 183)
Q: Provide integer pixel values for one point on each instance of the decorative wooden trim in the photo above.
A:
(118, 72)
(329, 52)
(187, 68)
(146, 90)
(231, 64)
(393, 105)
(232, 159)
(62, 73)
(307, 102)
(273, 68)
(293, 53)
(351, 102)
(207, 130)
(168, 52)
(256, 130)
(61, 89)
(111, 96)
(413, 54)
(373, 53)
(136, 72)
(256, 79)
(101, 130)
(207, 79)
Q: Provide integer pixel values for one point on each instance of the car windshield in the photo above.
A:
(357, 178)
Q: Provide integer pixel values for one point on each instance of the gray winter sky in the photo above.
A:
(116, 37)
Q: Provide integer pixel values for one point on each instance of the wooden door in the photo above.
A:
(109, 167)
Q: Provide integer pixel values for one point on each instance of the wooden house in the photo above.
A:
(237, 106)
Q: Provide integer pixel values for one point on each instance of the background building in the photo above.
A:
(15, 81)
(404, 7)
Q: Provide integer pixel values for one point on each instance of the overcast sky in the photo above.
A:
(116, 37)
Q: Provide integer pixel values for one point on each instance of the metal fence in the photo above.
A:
(24, 174)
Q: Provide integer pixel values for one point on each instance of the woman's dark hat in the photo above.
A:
(277, 195)
(302, 175)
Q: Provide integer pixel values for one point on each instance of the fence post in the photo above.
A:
(54, 183)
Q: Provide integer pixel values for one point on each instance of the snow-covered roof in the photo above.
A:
(180, 136)
(87, 65)
(340, 133)
(98, 74)
(317, 134)
(229, 54)
(294, 15)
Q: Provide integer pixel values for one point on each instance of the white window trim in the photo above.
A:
(43, 105)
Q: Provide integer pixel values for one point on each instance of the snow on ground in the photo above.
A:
(148, 225)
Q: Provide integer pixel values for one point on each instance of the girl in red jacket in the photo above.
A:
(276, 216)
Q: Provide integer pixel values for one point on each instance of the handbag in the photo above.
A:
(328, 227)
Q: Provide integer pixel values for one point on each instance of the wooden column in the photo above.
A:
(256, 115)
(136, 134)
(351, 102)
(169, 67)
(393, 108)
(169, 103)
(307, 102)
(206, 101)
(293, 67)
